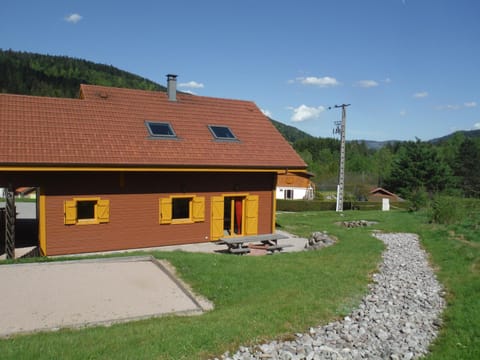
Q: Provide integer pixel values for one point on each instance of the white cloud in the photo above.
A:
(470, 104)
(73, 18)
(403, 112)
(266, 112)
(476, 126)
(191, 85)
(452, 107)
(304, 112)
(387, 81)
(448, 107)
(325, 81)
(420, 95)
(366, 83)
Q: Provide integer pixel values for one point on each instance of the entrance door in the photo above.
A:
(234, 216)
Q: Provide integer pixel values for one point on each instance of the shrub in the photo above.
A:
(447, 210)
(418, 199)
(305, 205)
(316, 205)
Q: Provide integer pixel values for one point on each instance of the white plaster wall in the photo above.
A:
(298, 193)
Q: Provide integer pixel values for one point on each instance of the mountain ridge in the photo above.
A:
(28, 73)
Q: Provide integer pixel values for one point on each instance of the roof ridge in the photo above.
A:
(181, 93)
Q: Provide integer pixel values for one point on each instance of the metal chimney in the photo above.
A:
(172, 87)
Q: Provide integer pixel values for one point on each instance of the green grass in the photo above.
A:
(19, 199)
(260, 298)
(455, 251)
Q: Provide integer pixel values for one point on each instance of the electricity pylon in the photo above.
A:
(341, 171)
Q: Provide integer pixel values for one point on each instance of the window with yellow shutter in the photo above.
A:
(182, 209)
(83, 211)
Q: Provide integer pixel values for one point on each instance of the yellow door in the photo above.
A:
(251, 215)
(216, 228)
(42, 224)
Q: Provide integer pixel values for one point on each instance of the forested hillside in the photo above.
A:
(60, 76)
(291, 133)
(449, 164)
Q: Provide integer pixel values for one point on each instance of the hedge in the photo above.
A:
(318, 205)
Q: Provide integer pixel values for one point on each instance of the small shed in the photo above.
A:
(379, 193)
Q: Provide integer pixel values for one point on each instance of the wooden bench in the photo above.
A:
(274, 248)
(240, 244)
(240, 250)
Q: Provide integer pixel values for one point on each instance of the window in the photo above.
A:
(160, 129)
(86, 211)
(222, 132)
(182, 209)
(288, 194)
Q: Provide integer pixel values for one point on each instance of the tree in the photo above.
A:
(467, 167)
(417, 165)
(382, 163)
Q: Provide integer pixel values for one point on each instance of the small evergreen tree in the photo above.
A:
(467, 168)
(416, 166)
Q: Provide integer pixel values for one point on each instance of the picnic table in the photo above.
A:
(245, 244)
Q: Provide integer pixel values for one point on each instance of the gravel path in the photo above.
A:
(398, 319)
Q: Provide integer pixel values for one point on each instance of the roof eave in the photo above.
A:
(141, 167)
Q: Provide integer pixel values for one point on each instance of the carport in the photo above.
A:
(18, 226)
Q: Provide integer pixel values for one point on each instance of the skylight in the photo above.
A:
(222, 132)
(160, 129)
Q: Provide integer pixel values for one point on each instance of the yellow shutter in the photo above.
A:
(165, 211)
(42, 231)
(70, 211)
(103, 211)
(198, 209)
(217, 218)
(251, 215)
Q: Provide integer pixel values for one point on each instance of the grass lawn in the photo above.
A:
(260, 298)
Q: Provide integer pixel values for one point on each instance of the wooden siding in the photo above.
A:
(134, 207)
(293, 180)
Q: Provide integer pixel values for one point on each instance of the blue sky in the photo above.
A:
(409, 68)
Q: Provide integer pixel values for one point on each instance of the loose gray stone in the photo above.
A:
(398, 319)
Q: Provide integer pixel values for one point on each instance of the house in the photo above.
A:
(124, 169)
(295, 186)
(26, 192)
(379, 193)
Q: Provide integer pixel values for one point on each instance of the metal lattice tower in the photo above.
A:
(341, 170)
(10, 223)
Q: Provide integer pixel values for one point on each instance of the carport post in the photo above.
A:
(10, 216)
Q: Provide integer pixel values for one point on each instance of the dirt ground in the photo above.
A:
(49, 296)
(78, 293)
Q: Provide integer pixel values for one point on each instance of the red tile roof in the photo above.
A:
(294, 180)
(106, 127)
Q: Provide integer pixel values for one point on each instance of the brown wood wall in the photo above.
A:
(134, 208)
